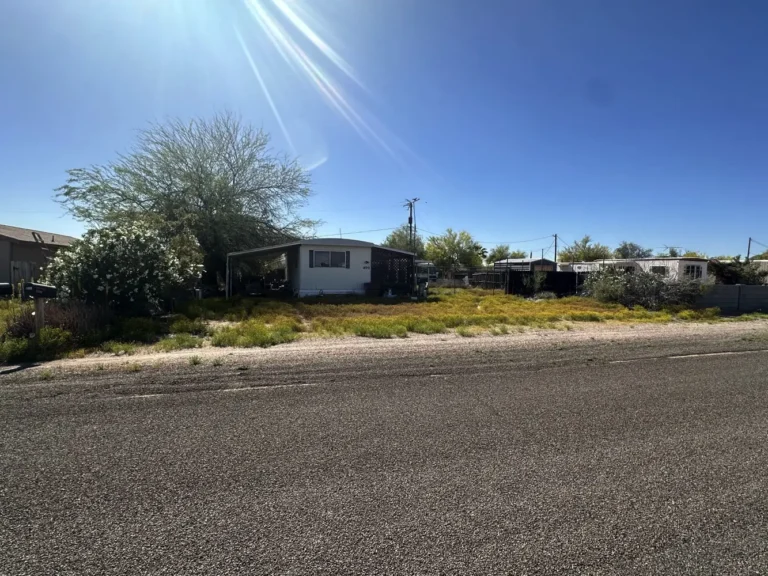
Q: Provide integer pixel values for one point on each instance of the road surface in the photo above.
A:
(641, 457)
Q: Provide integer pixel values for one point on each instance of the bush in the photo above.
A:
(253, 333)
(187, 326)
(179, 342)
(737, 272)
(646, 289)
(118, 348)
(88, 325)
(545, 296)
(125, 267)
(14, 350)
(52, 342)
(144, 330)
(426, 327)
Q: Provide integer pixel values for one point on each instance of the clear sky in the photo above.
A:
(640, 120)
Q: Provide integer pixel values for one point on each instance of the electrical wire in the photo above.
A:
(364, 231)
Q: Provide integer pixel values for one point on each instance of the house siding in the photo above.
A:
(5, 261)
(352, 280)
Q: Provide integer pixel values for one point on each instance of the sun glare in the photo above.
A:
(299, 38)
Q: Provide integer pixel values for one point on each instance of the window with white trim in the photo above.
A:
(692, 271)
(327, 259)
(660, 270)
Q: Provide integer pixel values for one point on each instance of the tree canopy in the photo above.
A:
(693, 254)
(670, 252)
(398, 239)
(630, 250)
(585, 250)
(214, 178)
(453, 249)
(502, 252)
(737, 271)
(761, 256)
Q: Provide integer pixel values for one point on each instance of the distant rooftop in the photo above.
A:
(347, 242)
(34, 236)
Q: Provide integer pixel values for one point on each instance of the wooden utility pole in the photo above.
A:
(411, 205)
(749, 248)
(555, 249)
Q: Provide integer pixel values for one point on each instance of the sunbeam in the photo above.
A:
(321, 45)
(287, 45)
(264, 88)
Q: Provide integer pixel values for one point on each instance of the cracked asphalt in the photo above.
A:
(639, 457)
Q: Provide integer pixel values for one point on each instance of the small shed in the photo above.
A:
(335, 266)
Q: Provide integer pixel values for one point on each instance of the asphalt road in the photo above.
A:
(592, 459)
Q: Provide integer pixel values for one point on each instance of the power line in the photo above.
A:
(366, 231)
(513, 241)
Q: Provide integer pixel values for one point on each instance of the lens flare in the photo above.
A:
(286, 25)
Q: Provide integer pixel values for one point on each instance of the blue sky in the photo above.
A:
(643, 120)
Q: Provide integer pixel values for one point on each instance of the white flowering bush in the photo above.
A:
(128, 268)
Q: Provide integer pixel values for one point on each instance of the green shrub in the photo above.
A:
(118, 348)
(638, 288)
(52, 342)
(466, 331)
(584, 317)
(545, 296)
(380, 329)
(426, 327)
(186, 326)
(179, 342)
(195, 360)
(706, 314)
(252, 333)
(14, 350)
(139, 329)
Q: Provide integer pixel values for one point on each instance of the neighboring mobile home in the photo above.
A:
(335, 266)
(673, 268)
(23, 252)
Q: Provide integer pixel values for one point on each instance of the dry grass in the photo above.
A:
(264, 322)
(259, 322)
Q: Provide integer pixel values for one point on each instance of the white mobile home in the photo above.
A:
(673, 268)
(334, 266)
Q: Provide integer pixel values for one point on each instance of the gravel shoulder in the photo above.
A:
(738, 335)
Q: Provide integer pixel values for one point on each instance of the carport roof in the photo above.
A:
(341, 242)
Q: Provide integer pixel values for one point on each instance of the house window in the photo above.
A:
(660, 270)
(326, 259)
(692, 271)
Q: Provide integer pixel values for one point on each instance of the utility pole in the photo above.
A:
(749, 248)
(555, 248)
(411, 205)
